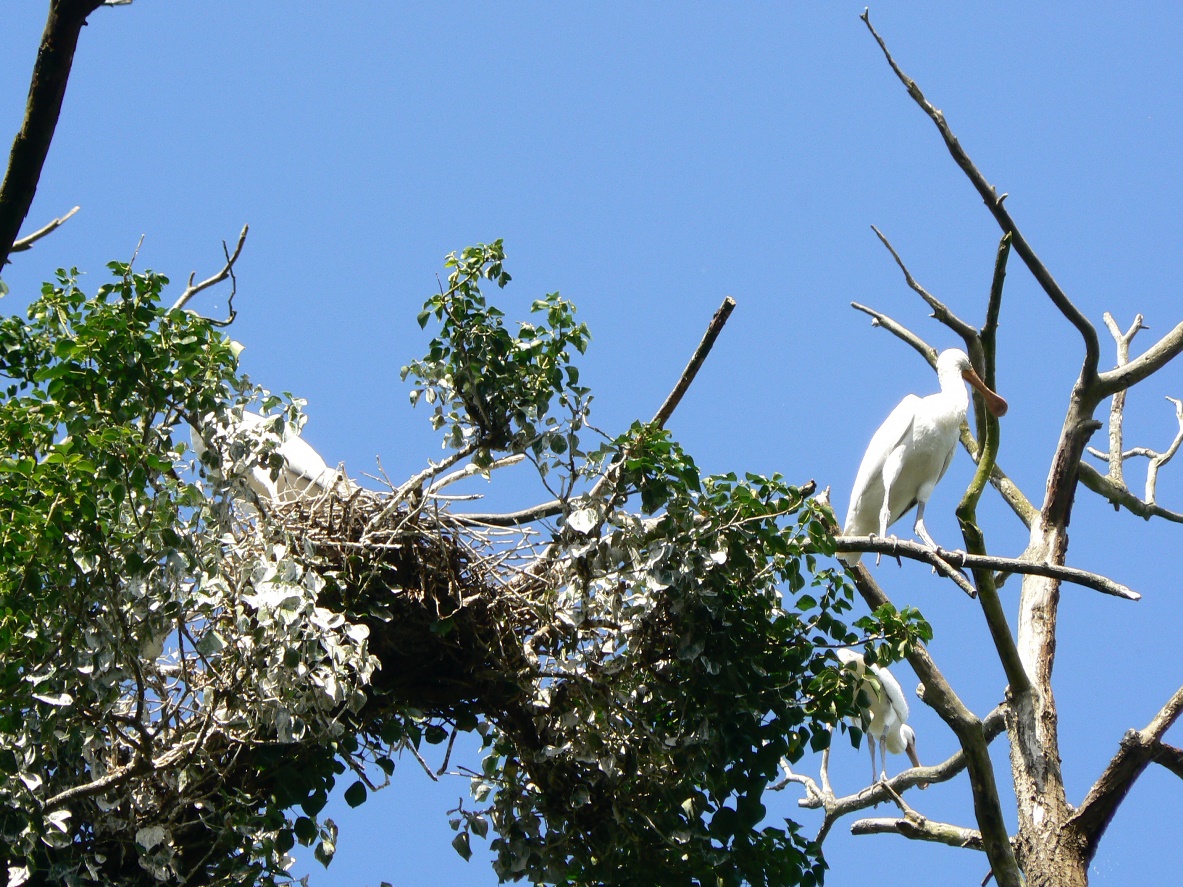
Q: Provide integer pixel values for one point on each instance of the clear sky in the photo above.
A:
(646, 160)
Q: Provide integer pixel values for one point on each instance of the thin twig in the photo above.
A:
(940, 310)
(27, 242)
(193, 289)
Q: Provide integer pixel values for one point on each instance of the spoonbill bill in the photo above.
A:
(911, 452)
(885, 716)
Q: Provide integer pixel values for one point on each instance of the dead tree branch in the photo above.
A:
(47, 90)
(193, 289)
(994, 202)
(1137, 749)
(940, 310)
(27, 242)
(920, 552)
(919, 828)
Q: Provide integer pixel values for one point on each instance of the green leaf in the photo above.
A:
(355, 795)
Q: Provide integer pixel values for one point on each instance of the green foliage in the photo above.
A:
(144, 641)
(492, 389)
(684, 676)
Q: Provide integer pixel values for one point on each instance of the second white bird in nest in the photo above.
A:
(303, 474)
(911, 452)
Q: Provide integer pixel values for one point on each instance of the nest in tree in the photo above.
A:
(434, 590)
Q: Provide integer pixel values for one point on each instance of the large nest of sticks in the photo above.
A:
(445, 622)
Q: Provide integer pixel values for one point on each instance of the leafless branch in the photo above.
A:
(27, 242)
(900, 331)
(919, 828)
(939, 310)
(1121, 496)
(919, 552)
(1138, 748)
(696, 360)
(994, 202)
(193, 289)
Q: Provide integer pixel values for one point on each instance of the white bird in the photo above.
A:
(304, 472)
(911, 452)
(885, 716)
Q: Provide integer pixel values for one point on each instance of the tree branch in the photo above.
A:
(940, 311)
(696, 360)
(919, 828)
(1137, 749)
(227, 271)
(27, 242)
(47, 89)
(1121, 496)
(919, 552)
(1152, 360)
(994, 202)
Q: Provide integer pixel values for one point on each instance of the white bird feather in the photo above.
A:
(911, 452)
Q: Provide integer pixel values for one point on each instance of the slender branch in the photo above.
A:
(989, 431)
(900, 331)
(696, 360)
(1137, 749)
(994, 202)
(27, 242)
(919, 552)
(939, 310)
(227, 271)
(1153, 359)
(43, 107)
(1117, 407)
(920, 828)
(1120, 496)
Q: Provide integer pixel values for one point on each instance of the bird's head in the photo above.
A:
(909, 737)
(956, 361)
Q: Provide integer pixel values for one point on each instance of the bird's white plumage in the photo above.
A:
(911, 452)
(885, 715)
(304, 471)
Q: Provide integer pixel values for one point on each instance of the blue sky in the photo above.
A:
(646, 160)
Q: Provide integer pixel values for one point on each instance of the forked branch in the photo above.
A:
(994, 202)
(1137, 749)
(227, 271)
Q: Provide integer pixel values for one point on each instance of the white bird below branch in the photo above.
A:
(885, 714)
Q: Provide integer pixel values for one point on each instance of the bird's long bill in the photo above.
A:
(994, 403)
(910, 748)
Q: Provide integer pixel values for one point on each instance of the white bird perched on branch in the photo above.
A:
(885, 715)
(304, 472)
(911, 452)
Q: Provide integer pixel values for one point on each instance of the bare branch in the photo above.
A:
(27, 242)
(919, 552)
(47, 90)
(1137, 749)
(1120, 496)
(994, 203)
(939, 310)
(696, 360)
(227, 271)
(920, 828)
(1152, 360)
(900, 331)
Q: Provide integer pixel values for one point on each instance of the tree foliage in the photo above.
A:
(186, 674)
